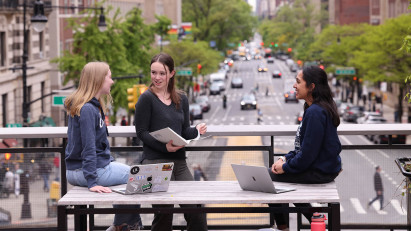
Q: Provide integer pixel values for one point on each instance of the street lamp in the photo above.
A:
(38, 22)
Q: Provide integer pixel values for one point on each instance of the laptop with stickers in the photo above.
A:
(256, 178)
(147, 179)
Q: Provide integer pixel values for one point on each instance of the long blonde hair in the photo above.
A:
(91, 80)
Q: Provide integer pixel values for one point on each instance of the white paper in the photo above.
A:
(166, 134)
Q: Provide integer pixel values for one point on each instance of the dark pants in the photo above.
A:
(378, 197)
(164, 222)
(307, 177)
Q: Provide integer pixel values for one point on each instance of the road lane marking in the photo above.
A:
(397, 206)
(376, 206)
(357, 205)
(383, 154)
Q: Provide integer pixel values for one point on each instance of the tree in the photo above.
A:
(380, 58)
(223, 21)
(124, 46)
(293, 26)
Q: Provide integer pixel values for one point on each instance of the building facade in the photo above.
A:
(11, 50)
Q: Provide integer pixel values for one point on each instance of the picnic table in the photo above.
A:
(215, 195)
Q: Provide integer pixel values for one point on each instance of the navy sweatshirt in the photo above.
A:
(151, 115)
(88, 147)
(317, 146)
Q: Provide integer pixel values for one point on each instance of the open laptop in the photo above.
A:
(147, 178)
(256, 178)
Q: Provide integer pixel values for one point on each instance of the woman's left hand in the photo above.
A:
(202, 128)
(277, 167)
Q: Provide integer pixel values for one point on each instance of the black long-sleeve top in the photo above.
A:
(378, 182)
(152, 114)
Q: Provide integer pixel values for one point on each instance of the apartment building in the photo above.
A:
(38, 67)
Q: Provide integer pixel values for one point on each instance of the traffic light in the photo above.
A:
(7, 156)
(276, 45)
(132, 97)
(289, 49)
(262, 44)
(321, 66)
(199, 68)
(272, 44)
(133, 94)
(354, 78)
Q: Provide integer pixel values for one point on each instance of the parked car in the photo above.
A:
(195, 111)
(248, 101)
(352, 113)
(289, 62)
(294, 67)
(290, 96)
(214, 89)
(343, 107)
(276, 74)
(270, 60)
(236, 82)
(371, 118)
(202, 100)
(299, 117)
(396, 139)
(262, 68)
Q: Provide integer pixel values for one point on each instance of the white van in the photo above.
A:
(218, 78)
(289, 62)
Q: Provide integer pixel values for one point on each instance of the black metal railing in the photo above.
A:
(268, 150)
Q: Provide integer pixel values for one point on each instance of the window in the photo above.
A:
(3, 49)
(42, 96)
(41, 45)
(4, 109)
(375, 7)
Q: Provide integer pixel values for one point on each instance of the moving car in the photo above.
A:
(262, 68)
(396, 139)
(276, 74)
(343, 107)
(248, 101)
(294, 67)
(202, 100)
(214, 89)
(236, 82)
(270, 60)
(290, 96)
(195, 112)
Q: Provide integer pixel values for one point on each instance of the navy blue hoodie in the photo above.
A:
(88, 147)
(317, 146)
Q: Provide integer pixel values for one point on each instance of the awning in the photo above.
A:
(45, 122)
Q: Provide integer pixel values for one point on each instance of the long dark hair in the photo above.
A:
(321, 93)
(168, 61)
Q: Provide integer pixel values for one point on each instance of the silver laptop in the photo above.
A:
(147, 178)
(256, 178)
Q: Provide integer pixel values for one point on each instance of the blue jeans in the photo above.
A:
(45, 177)
(113, 174)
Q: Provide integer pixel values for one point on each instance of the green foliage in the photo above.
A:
(407, 47)
(124, 46)
(294, 26)
(222, 21)
(380, 57)
(335, 44)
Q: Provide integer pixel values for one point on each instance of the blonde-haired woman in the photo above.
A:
(88, 160)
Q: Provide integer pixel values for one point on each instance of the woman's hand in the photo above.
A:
(277, 167)
(202, 128)
(171, 148)
(100, 189)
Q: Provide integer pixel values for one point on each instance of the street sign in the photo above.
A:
(345, 71)
(185, 72)
(58, 100)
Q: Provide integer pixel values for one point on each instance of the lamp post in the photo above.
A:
(38, 21)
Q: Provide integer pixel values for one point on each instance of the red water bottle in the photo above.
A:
(317, 222)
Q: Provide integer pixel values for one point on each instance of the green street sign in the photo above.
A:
(185, 72)
(345, 71)
(58, 100)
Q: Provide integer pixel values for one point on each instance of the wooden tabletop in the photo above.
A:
(206, 192)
